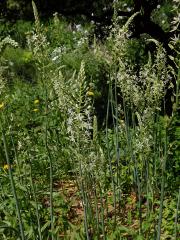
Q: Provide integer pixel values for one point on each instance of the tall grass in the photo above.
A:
(119, 169)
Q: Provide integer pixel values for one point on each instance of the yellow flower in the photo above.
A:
(36, 101)
(35, 110)
(1, 105)
(89, 93)
(6, 167)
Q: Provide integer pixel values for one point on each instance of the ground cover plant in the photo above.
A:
(87, 150)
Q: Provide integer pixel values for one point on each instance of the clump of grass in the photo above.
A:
(52, 138)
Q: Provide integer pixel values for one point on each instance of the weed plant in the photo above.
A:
(65, 176)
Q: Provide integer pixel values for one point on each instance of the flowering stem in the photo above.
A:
(50, 167)
(109, 159)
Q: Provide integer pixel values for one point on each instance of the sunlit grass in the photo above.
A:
(65, 176)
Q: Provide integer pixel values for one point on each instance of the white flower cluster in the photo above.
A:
(141, 92)
(144, 90)
(74, 103)
(128, 84)
(80, 114)
(83, 33)
(7, 41)
(176, 19)
(57, 82)
(57, 53)
(79, 124)
(37, 42)
(142, 143)
(81, 41)
(3, 43)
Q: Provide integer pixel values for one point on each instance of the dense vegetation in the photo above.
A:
(89, 120)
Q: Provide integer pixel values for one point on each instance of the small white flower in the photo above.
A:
(55, 58)
(71, 138)
(70, 121)
(78, 27)
(79, 117)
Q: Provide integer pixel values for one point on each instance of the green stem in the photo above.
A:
(84, 201)
(50, 174)
(109, 160)
(36, 204)
(96, 210)
(102, 215)
(13, 186)
(176, 217)
(162, 192)
(117, 144)
(14, 148)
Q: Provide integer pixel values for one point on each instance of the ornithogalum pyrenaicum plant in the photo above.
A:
(87, 149)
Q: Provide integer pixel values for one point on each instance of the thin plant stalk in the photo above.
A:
(162, 192)
(176, 217)
(147, 181)
(177, 87)
(137, 178)
(109, 159)
(50, 170)
(96, 184)
(84, 201)
(36, 204)
(14, 148)
(13, 186)
(155, 150)
(117, 143)
(102, 215)
(96, 210)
